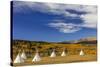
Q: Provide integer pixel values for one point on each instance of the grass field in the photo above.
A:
(45, 49)
(59, 59)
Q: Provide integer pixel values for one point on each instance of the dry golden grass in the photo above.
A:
(59, 59)
(72, 54)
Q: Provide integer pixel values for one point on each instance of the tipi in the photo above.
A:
(36, 57)
(18, 59)
(81, 53)
(63, 53)
(53, 54)
(23, 55)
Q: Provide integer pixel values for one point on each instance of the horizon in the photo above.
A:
(54, 41)
(52, 22)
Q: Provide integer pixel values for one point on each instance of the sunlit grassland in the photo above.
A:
(72, 54)
(59, 59)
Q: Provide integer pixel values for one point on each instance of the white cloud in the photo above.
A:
(65, 27)
(61, 26)
(43, 7)
(89, 18)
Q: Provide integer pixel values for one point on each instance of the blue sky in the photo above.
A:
(53, 22)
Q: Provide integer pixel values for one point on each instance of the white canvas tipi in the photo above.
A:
(23, 55)
(18, 59)
(36, 57)
(81, 53)
(53, 54)
(63, 53)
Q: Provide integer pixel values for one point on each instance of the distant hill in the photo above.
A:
(88, 40)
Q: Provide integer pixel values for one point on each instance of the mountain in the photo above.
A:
(88, 40)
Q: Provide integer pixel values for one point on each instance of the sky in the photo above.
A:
(53, 22)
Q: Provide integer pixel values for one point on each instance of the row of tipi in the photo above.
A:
(53, 54)
(22, 57)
